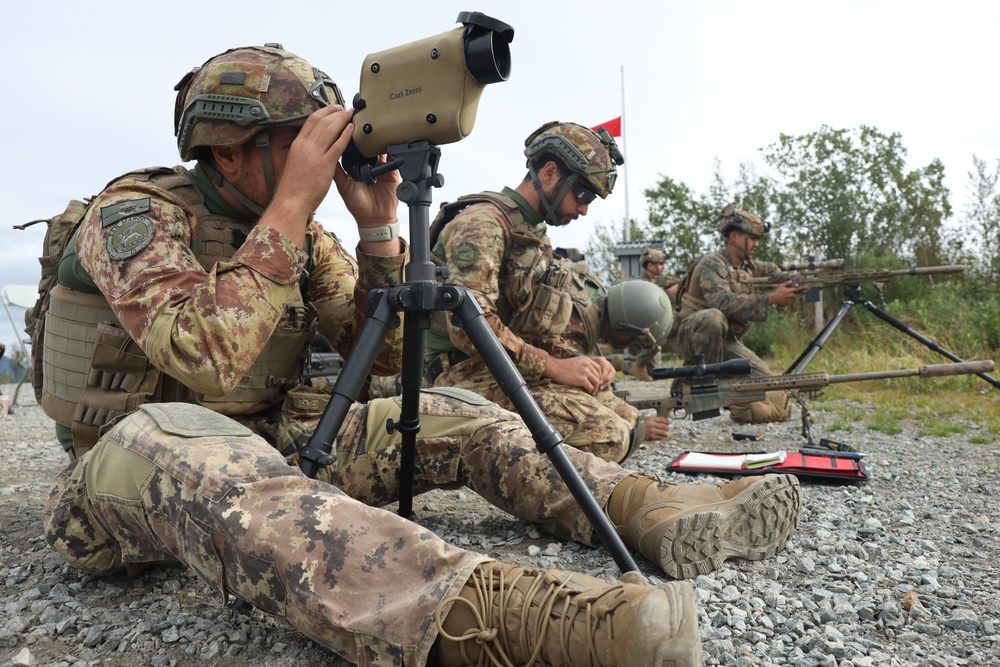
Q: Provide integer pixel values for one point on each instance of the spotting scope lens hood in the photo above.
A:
(487, 47)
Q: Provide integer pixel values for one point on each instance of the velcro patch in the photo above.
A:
(465, 255)
(114, 212)
(232, 78)
(129, 236)
(193, 421)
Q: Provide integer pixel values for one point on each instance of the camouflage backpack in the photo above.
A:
(60, 230)
(685, 283)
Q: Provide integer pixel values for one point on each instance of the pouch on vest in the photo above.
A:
(59, 230)
(547, 314)
(121, 379)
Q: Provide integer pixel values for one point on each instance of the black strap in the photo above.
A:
(436, 367)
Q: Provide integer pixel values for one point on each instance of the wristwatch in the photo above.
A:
(383, 233)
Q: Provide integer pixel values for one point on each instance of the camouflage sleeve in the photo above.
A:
(565, 346)
(712, 275)
(765, 269)
(338, 288)
(204, 326)
(474, 246)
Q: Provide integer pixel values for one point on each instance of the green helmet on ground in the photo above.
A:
(593, 156)
(731, 218)
(634, 305)
(236, 94)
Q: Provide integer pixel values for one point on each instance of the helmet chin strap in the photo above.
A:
(263, 144)
(744, 249)
(551, 209)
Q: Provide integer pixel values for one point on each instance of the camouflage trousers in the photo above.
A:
(706, 332)
(178, 483)
(602, 424)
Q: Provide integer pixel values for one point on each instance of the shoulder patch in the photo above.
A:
(114, 212)
(465, 255)
(129, 236)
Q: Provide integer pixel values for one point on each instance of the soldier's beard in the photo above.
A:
(252, 187)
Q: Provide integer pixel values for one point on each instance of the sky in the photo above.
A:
(88, 89)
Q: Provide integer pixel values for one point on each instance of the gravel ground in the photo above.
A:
(923, 529)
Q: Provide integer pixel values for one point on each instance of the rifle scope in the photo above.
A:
(732, 367)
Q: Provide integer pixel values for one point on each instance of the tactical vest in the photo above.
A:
(94, 372)
(581, 284)
(537, 293)
(692, 299)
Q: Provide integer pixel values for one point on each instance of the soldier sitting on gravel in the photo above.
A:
(496, 245)
(217, 277)
(716, 310)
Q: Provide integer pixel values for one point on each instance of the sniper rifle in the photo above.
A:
(707, 388)
(819, 279)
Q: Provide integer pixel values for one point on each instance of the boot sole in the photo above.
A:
(755, 524)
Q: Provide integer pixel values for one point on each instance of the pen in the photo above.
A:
(828, 452)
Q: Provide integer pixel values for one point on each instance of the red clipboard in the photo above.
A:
(835, 466)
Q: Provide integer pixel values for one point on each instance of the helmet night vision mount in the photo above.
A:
(426, 90)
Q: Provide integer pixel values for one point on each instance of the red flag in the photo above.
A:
(613, 126)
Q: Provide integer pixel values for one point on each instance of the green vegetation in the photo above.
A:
(848, 193)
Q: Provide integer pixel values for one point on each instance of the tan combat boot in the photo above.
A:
(641, 372)
(691, 529)
(509, 615)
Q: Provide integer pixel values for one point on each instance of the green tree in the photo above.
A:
(600, 250)
(983, 214)
(683, 221)
(847, 192)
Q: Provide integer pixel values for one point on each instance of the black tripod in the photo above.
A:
(419, 296)
(852, 294)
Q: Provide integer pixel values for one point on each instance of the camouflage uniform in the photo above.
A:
(480, 254)
(182, 482)
(714, 314)
(174, 505)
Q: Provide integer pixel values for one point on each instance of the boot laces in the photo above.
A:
(494, 644)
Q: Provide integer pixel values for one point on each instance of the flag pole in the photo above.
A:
(628, 226)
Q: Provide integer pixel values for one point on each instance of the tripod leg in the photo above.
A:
(546, 438)
(819, 341)
(886, 317)
(409, 415)
(380, 318)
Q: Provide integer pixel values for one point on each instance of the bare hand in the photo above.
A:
(657, 428)
(371, 205)
(312, 161)
(584, 372)
(608, 372)
(785, 293)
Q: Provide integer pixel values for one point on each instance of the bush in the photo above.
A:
(957, 315)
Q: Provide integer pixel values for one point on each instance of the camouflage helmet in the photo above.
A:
(742, 220)
(236, 94)
(594, 156)
(634, 305)
(654, 255)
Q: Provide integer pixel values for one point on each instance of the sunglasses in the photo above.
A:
(583, 194)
